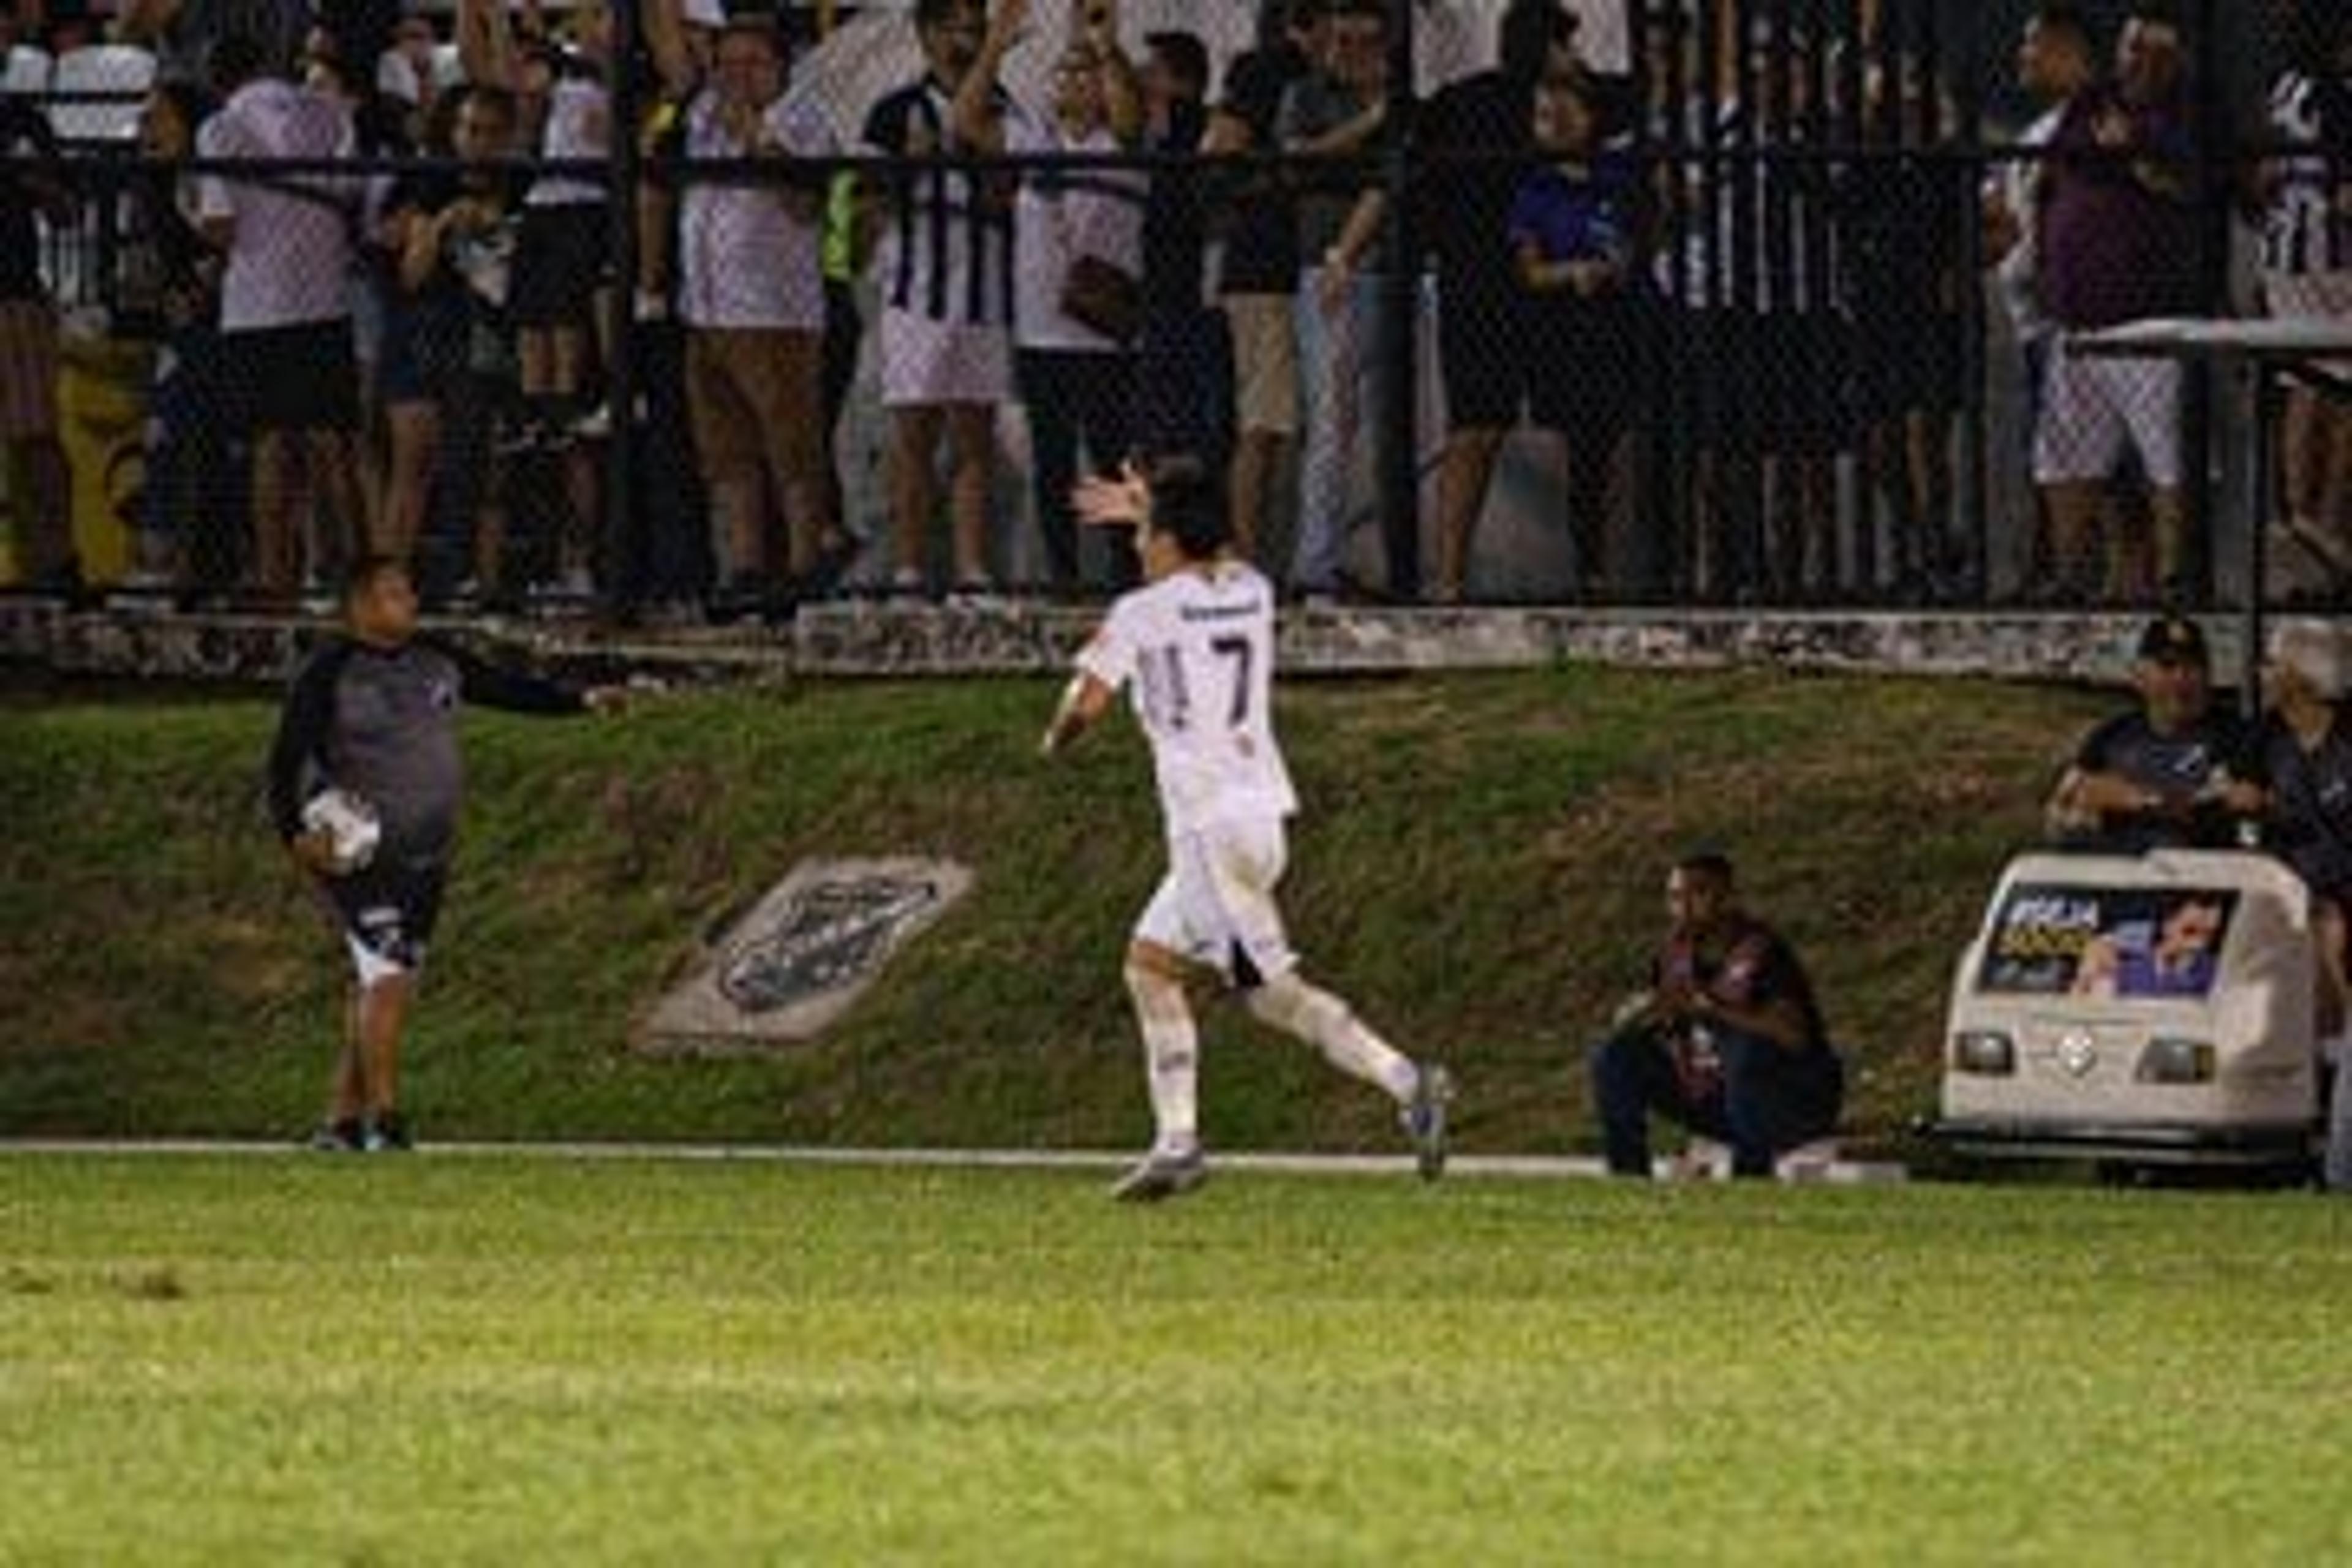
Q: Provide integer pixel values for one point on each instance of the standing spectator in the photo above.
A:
(1259, 271)
(1334, 116)
(2119, 233)
(192, 501)
(1076, 377)
(372, 713)
(945, 259)
(2306, 218)
(750, 291)
(1183, 371)
(1899, 211)
(286, 313)
(1476, 132)
(1727, 1039)
(2053, 65)
(182, 34)
(561, 297)
(434, 225)
(1572, 226)
(33, 182)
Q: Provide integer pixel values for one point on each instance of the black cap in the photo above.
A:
(2172, 639)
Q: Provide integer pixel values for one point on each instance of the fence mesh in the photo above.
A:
(1715, 302)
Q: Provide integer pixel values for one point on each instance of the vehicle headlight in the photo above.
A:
(2175, 1061)
(1986, 1052)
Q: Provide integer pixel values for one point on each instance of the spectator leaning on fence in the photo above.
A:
(2306, 218)
(33, 182)
(1077, 369)
(286, 313)
(1257, 278)
(2306, 768)
(944, 261)
(750, 289)
(2118, 231)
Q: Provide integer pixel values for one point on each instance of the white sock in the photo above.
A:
(1172, 1059)
(1325, 1022)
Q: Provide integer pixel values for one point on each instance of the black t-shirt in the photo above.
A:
(1752, 966)
(1465, 208)
(24, 134)
(2310, 819)
(1262, 238)
(1174, 225)
(2180, 767)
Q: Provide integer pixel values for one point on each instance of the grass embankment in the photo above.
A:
(1479, 869)
(519, 1360)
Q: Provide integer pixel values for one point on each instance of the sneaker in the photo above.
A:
(386, 1134)
(342, 1137)
(1424, 1120)
(1163, 1174)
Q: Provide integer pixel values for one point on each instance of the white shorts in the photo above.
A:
(2091, 406)
(1217, 904)
(932, 362)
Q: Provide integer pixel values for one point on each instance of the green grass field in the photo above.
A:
(514, 1358)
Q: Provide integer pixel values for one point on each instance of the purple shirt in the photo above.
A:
(2111, 248)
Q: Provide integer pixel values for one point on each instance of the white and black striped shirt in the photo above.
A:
(2301, 231)
(946, 250)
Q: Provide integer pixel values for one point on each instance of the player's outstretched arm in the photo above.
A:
(1084, 702)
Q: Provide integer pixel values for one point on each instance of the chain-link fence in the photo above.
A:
(1722, 301)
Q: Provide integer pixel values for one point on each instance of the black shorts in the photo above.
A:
(1483, 354)
(388, 909)
(302, 377)
(559, 264)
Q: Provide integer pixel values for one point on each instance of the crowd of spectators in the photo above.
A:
(1734, 288)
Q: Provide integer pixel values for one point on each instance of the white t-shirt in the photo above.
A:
(290, 259)
(745, 259)
(1061, 215)
(1197, 648)
(2302, 232)
(579, 126)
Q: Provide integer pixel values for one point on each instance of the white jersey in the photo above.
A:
(1197, 648)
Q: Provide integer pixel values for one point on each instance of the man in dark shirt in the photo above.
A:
(32, 184)
(372, 715)
(1184, 379)
(2171, 772)
(1727, 1040)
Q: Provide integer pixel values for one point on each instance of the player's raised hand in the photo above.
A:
(1108, 500)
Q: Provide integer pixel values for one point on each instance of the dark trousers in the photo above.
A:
(1764, 1099)
(1074, 395)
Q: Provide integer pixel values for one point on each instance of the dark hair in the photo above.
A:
(364, 572)
(933, 13)
(2065, 18)
(1712, 864)
(1186, 506)
(233, 60)
(1529, 32)
(1185, 56)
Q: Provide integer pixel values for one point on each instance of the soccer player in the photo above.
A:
(1196, 646)
(373, 713)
